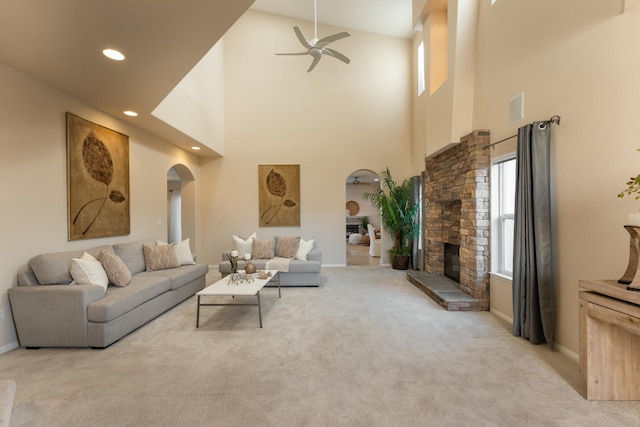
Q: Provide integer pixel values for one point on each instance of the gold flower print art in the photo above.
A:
(279, 195)
(98, 163)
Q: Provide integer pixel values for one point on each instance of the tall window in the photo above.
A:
(503, 207)
(420, 68)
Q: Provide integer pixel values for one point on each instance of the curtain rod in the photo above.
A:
(552, 120)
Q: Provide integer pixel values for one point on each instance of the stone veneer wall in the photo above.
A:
(456, 198)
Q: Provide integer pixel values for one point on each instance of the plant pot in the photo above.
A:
(400, 262)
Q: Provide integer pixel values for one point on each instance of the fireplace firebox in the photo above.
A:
(452, 261)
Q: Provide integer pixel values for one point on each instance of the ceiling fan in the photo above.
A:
(317, 47)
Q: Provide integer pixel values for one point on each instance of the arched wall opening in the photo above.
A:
(181, 205)
(359, 247)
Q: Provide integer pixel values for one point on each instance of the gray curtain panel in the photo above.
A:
(533, 293)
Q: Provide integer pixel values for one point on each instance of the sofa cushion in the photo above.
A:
(160, 257)
(132, 255)
(117, 271)
(53, 268)
(298, 266)
(179, 276)
(120, 300)
(263, 248)
(288, 247)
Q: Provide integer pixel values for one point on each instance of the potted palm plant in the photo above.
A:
(398, 215)
(364, 222)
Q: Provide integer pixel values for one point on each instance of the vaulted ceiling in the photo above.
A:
(60, 43)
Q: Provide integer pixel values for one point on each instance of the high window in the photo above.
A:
(420, 68)
(503, 178)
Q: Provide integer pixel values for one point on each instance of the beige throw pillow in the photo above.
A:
(183, 251)
(288, 247)
(263, 249)
(160, 257)
(117, 271)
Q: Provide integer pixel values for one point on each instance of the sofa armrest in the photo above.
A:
(52, 315)
(315, 254)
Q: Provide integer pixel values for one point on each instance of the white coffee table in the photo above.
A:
(224, 286)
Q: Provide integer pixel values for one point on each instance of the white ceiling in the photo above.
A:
(388, 17)
(60, 42)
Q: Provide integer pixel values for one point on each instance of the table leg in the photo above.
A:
(198, 313)
(259, 308)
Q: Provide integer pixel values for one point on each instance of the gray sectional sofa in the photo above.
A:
(300, 272)
(49, 312)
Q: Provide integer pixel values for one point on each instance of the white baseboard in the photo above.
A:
(9, 347)
(562, 349)
(565, 351)
(501, 315)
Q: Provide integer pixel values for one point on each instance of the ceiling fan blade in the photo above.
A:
(337, 55)
(326, 40)
(316, 59)
(304, 41)
(298, 53)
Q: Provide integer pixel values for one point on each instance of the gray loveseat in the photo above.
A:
(300, 272)
(49, 312)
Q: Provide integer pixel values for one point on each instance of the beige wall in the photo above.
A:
(332, 121)
(444, 112)
(33, 167)
(575, 59)
(571, 58)
(196, 104)
(581, 66)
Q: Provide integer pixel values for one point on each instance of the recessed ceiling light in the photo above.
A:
(113, 54)
(131, 113)
(195, 148)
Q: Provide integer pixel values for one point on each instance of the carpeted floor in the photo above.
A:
(365, 349)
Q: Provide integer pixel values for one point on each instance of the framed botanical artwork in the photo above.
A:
(97, 180)
(279, 195)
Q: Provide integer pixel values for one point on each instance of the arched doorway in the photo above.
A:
(359, 212)
(181, 202)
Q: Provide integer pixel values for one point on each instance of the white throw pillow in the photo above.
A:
(243, 246)
(304, 248)
(182, 250)
(87, 270)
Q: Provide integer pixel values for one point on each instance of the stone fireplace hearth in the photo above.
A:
(456, 203)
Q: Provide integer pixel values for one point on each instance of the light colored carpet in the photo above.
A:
(365, 349)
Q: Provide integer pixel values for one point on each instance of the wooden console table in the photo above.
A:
(609, 341)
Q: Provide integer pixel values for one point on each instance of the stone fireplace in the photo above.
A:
(452, 261)
(456, 201)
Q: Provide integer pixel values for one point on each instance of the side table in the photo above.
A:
(609, 341)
